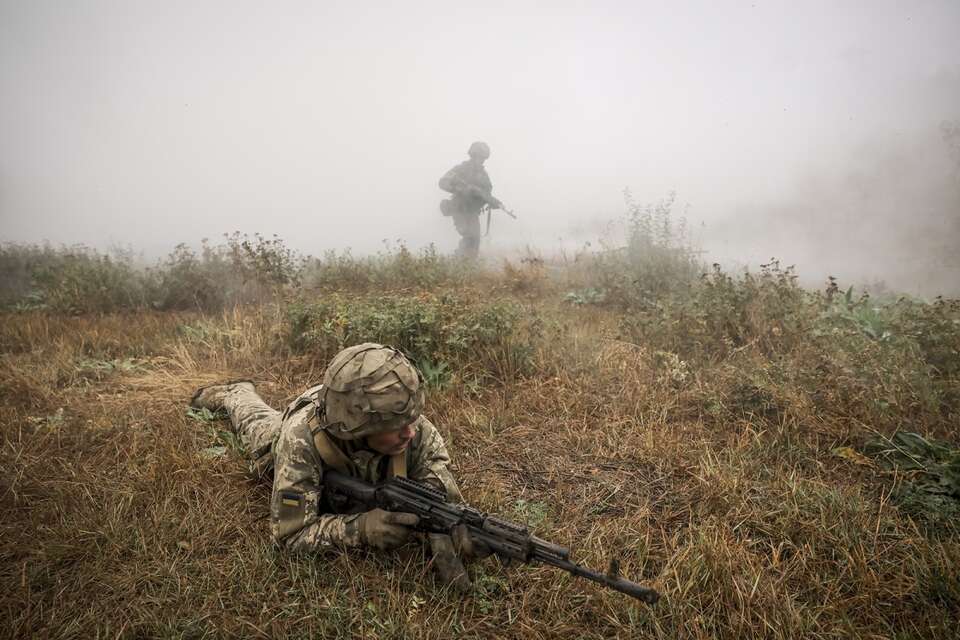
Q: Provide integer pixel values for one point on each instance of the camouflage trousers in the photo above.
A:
(255, 423)
(468, 226)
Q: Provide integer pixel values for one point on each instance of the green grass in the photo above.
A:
(715, 437)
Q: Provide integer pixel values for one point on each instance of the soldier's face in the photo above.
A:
(392, 442)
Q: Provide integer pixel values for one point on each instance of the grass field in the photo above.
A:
(733, 440)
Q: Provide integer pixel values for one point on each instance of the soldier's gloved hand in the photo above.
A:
(448, 563)
(468, 548)
(495, 204)
(386, 529)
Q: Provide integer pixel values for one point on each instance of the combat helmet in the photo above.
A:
(479, 150)
(369, 389)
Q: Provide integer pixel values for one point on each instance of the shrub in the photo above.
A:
(657, 259)
(82, 280)
(847, 355)
(188, 281)
(391, 269)
(482, 340)
(17, 263)
(73, 279)
(903, 354)
(241, 270)
(721, 314)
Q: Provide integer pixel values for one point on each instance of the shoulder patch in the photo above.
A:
(288, 499)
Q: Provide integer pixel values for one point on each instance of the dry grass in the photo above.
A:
(118, 525)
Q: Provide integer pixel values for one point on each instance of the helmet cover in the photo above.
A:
(369, 388)
(479, 150)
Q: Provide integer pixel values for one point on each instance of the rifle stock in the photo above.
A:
(506, 539)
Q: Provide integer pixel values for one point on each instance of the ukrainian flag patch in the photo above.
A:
(290, 499)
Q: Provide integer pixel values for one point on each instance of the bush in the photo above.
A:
(17, 263)
(658, 258)
(188, 281)
(847, 355)
(907, 352)
(391, 269)
(482, 340)
(73, 279)
(721, 314)
(82, 280)
(238, 271)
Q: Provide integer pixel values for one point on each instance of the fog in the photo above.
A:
(816, 132)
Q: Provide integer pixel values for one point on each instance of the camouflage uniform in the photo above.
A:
(302, 515)
(467, 181)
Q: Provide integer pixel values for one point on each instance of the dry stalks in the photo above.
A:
(118, 523)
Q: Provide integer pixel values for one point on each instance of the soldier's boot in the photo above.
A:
(211, 397)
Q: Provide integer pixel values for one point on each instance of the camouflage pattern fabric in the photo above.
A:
(459, 181)
(463, 181)
(256, 424)
(370, 388)
(303, 517)
(468, 226)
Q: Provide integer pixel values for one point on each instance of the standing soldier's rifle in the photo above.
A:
(496, 204)
(506, 539)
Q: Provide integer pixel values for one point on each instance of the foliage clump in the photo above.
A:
(722, 314)
(480, 339)
(657, 258)
(833, 351)
(73, 279)
(79, 279)
(931, 487)
(391, 269)
(240, 270)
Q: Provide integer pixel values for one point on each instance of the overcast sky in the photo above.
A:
(807, 130)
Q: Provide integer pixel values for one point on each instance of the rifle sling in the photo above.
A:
(398, 465)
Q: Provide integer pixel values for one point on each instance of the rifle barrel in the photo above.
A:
(617, 583)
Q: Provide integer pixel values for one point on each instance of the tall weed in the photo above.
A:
(658, 257)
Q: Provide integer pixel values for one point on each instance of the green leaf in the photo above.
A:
(216, 451)
(205, 415)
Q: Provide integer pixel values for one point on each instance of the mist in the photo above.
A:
(820, 133)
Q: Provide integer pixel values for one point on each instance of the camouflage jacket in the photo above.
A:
(463, 181)
(303, 516)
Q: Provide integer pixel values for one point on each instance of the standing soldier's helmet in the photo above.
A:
(479, 150)
(369, 389)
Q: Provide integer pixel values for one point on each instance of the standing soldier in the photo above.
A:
(472, 191)
(363, 421)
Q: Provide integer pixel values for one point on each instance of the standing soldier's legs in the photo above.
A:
(468, 226)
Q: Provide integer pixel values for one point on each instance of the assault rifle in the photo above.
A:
(506, 539)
